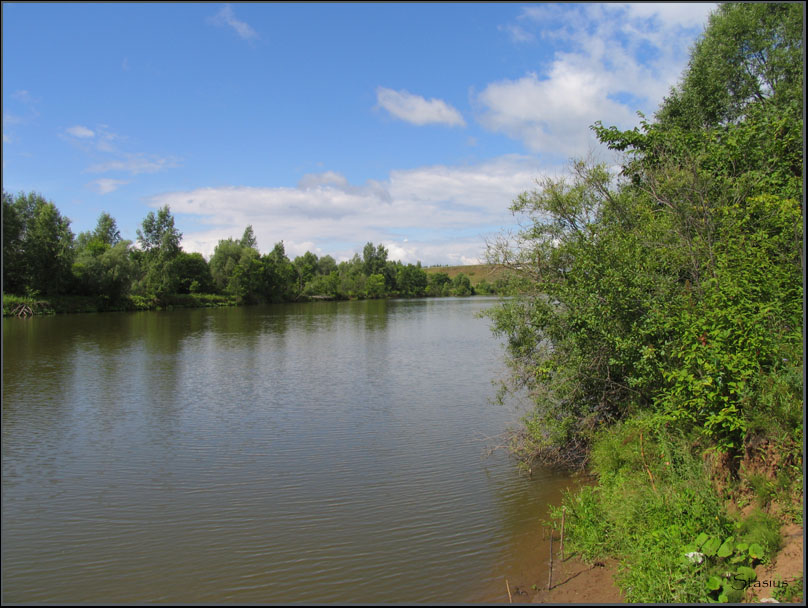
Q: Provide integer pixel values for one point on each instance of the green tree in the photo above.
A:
(436, 283)
(40, 246)
(105, 271)
(280, 279)
(14, 275)
(223, 262)
(374, 286)
(106, 230)
(248, 238)
(675, 290)
(159, 240)
(411, 280)
(306, 268)
(194, 274)
(326, 265)
(749, 53)
(461, 285)
(374, 259)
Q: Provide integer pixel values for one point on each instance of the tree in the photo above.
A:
(461, 285)
(106, 230)
(248, 238)
(306, 267)
(436, 283)
(673, 292)
(280, 279)
(160, 241)
(158, 233)
(104, 270)
(374, 286)
(223, 262)
(373, 259)
(326, 265)
(411, 280)
(14, 279)
(194, 274)
(749, 53)
(39, 245)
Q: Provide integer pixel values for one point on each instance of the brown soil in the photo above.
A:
(786, 567)
(577, 583)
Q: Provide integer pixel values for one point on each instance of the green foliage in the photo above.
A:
(461, 286)
(159, 240)
(104, 270)
(38, 246)
(373, 259)
(13, 230)
(664, 315)
(194, 273)
(374, 286)
(438, 284)
(761, 532)
(724, 564)
(789, 591)
(411, 280)
(676, 289)
(652, 499)
(749, 53)
(100, 271)
(248, 239)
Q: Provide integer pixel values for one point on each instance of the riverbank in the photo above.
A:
(668, 525)
(20, 306)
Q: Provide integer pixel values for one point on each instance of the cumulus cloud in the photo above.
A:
(617, 59)
(418, 110)
(226, 17)
(80, 131)
(434, 214)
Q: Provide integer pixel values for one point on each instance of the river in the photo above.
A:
(329, 452)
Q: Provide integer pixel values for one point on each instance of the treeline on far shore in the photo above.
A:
(46, 268)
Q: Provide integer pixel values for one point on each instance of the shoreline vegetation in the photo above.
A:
(47, 269)
(661, 340)
(464, 280)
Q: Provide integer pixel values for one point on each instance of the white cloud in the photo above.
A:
(81, 132)
(668, 14)
(105, 185)
(617, 59)
(226, 16)
(417, 110)
(134, 164)
(552, 115)
(517, 33)
(435, 214)
(23, 96)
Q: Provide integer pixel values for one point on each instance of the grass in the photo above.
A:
(654, 504)
(475, 272)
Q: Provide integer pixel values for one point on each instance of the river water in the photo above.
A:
(329, 452)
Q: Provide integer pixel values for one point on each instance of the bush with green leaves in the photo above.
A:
(653, 497)
(675, 287)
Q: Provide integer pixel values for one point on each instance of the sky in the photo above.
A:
(325, 126)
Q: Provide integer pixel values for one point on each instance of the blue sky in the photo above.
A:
(323, 125)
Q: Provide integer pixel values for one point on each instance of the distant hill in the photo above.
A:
(475, 272)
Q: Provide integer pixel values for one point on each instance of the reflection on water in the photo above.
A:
(323, 452)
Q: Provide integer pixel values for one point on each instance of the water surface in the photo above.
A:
(320, 452)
